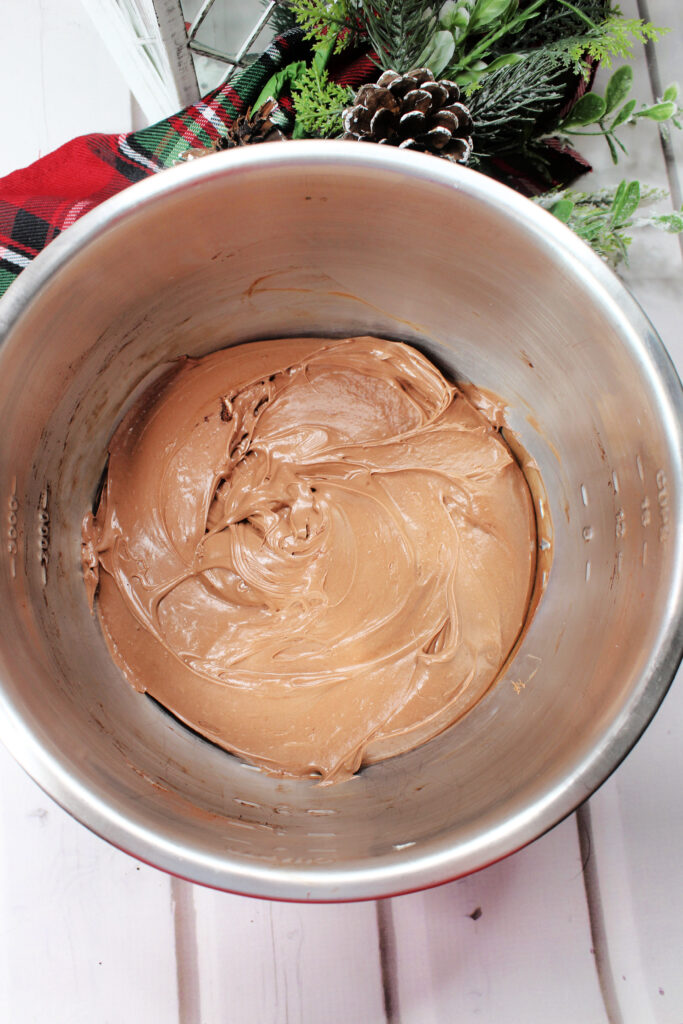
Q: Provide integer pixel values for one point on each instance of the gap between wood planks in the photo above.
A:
(596, 916)
(388, 961)
(187, 966)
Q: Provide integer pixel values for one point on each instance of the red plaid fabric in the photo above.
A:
(40, 201)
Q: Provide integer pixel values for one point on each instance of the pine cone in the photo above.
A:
(412, 111)
(252, 127)
(245, 130)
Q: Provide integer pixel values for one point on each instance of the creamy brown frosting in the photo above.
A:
(316, 553)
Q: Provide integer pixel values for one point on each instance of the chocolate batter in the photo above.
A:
(316, 553)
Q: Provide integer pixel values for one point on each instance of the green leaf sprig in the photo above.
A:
(594, 114)
(604, 219)
(479, 29)
(612, 38)
(318, 101)
(325, 19)
(515, 58)
(463, 39)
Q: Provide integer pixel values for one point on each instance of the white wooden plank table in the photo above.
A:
(585, 926)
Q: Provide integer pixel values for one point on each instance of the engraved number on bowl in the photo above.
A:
(12, 517)
(663, 504)
(43, 536)
(620, 523)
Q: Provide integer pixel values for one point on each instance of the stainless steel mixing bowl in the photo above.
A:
(339, 238)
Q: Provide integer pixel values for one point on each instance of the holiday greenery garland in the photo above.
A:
(524, 69)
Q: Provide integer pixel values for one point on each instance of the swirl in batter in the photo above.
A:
(316, 553)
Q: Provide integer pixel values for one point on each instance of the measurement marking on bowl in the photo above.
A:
(317, 811)
(519, 684)
(645, 513)
(615, 481)
(587, 533)
(584, 495)
(541, 509)
(639, 467)
(588, 571)
(44, 534)
(617, 567)
(13, 529)
(663, 504)
(644, 558)
(403, 846)
(620, 524)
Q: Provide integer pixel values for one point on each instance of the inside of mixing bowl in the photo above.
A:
(489, 300)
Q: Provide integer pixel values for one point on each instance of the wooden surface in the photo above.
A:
(585, 926)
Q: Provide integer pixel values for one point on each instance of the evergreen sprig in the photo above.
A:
(558, 21)
(605, 218)
(612, 38)
(508, 102)
(323, 19)
(319, 103)
(516, 59)
(399, 30)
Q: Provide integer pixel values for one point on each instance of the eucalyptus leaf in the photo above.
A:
(454, 17)
(505, 60)
(469, 78)
(671, 92)
(619, 195)
(488, 11)
(612, 149)
(626, 202)
(438, 54)
(562, 209)
(672, 222)
(631, 200)
(620, 144)
(659, 111)
(618, 88)
(589, 109)
(624, 114)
